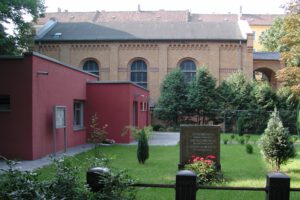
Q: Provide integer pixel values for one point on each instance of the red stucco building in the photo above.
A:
(30, 87)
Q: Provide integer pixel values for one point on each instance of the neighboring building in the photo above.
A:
(259, 23)
(32, 85)
(265, 65)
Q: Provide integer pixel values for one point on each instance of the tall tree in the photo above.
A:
(284, 36)
(171, 104)
(13, 14)
(201, 95)
(270, 39)
(286, 102)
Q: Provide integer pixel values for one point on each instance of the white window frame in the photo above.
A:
(5, 103)
(78, 114)
(137, 71)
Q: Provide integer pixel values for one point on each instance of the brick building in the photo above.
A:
(143, 46)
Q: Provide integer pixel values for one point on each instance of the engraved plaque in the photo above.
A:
(199, 141)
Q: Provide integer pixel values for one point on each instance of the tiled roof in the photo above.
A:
(266, 56)
(85, 31)
(260, 19)
(154, 16)
(67, 17)
(117, 16)
(213, 17)
(143, 16)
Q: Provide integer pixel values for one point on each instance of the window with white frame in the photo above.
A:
(91, 66)
(4, 103)
(188, 68)
(78, 109)
(139, 73)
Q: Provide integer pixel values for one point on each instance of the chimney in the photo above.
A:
(139, 8)
(241, 12)
(59, 10)
(66, 11)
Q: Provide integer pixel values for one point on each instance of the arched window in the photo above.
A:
(188, 68)
(139, 73)
(91, 66)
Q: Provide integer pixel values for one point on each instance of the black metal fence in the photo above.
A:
(186, 186)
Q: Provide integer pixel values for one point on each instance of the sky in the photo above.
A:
(195, 6)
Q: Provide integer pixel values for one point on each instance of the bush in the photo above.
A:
(225, 141)
(143, 147)
(247, 138)
(16, 184)
(275, 142)
(232, 136)
(157, 127)
(249, 148)
(241, 140)
(205, 168)
(97, 135)
(117, 186)
(65, 184)
(294, 138)
(162, 129)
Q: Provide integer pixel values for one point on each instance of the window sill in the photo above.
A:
(5, 111)
(79, 129)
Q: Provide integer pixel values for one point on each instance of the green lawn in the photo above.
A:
(239, 169)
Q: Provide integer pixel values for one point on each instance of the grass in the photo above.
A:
(238, 167)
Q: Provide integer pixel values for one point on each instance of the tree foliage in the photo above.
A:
(286, 103)
(275, 143)
(298, 118)
(244, 106)
(284, 37)
(201, 95)
(270, 39)
(172, 101)
(12, 13)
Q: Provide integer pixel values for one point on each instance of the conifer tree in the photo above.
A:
(201, 97)
(275, 143)
(171, 104)
(143, 147)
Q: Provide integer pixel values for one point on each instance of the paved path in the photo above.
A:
(163, 139)
(157, 138)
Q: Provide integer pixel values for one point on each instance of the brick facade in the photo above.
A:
(114, 58)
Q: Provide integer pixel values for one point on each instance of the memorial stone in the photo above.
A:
(196, 140)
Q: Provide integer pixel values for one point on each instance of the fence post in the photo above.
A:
(186, 185)
(94, 177)
(278, 186)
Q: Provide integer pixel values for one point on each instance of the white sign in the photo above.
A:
(60, 116)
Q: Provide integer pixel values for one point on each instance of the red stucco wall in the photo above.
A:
(61, 86)
(15, 125)
(34, 98)
(113, 103)
(37, 83)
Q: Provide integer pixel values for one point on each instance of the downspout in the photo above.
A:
(241, 55)
(40, 47)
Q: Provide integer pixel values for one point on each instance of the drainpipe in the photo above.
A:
(241, 55)
(40, 47)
